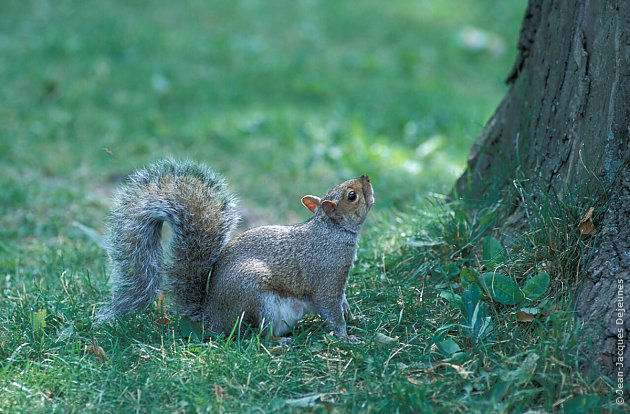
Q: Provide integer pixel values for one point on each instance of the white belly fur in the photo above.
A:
(284, 312)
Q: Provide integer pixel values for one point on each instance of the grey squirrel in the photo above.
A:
(267, 277)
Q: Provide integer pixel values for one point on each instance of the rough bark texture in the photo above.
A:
(605, 293)
(565, 122)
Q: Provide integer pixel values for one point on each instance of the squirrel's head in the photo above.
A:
(347, 203)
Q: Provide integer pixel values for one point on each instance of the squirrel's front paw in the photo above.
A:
(351, 339)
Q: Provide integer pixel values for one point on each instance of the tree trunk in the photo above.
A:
(565, 123)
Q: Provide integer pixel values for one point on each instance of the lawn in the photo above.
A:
(284, 98)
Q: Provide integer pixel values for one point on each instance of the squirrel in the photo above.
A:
(267, 277)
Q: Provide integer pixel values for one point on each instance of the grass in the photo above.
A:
(519, 356)
(389, 90)
(284, 98)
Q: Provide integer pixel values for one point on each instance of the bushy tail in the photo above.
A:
(201, 212)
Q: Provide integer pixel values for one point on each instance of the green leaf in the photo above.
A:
(482, 326)
(469, 276)
(448, 347)
(38, 319)
(446, 269)
(470, 298)
(65, 333)
(524, 372)
(438, 271)
(536, 286)
(502, 289)
(453, 270)
(458, 358)
(453, 298)
(492, 252)
(475, 320)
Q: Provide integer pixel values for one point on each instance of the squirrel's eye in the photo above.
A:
(352, 196)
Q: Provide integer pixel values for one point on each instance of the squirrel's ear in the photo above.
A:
(330, 208)
(311, 202)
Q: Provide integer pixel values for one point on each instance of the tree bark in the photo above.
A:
(565, 123)
(604, 298)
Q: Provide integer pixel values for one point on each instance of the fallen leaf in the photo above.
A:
(382, 339)
(413, 380)
(524, 316)
(459, 369)
(38, 319)
(219, 392)
(553, 310)
(305, 402)
(531, 310)
(163, 320)
(97, 351)
(586, 225)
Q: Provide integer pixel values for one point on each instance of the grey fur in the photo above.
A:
(201, 212)
(268, 276)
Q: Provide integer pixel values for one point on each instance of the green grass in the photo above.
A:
(341, 89)
(284, 98)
